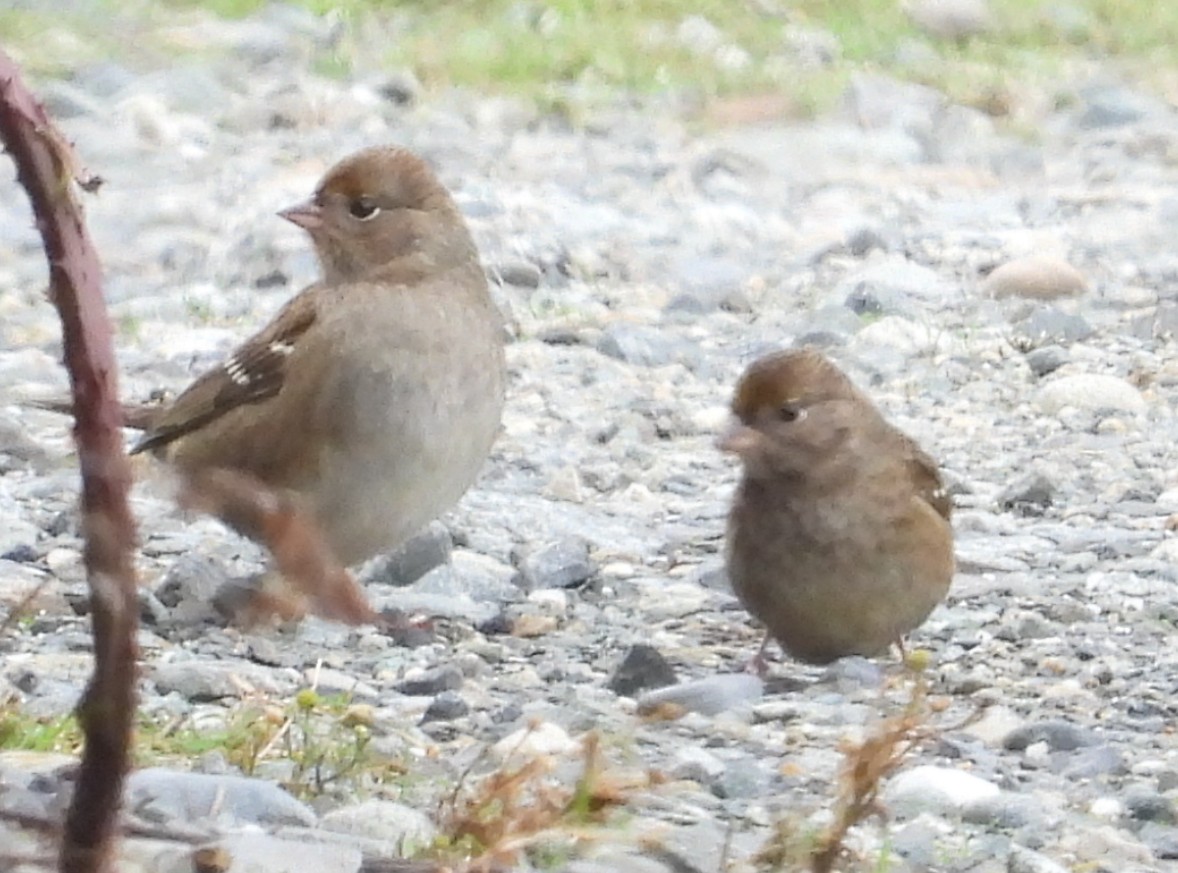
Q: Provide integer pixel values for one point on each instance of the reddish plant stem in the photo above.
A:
(47, 169)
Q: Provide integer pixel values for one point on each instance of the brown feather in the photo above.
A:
(254, 373)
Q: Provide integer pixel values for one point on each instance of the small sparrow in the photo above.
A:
(374, 395)
(839, 538)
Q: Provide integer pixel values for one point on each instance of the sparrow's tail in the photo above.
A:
(137, 416)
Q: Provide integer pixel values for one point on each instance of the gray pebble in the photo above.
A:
(521, 274)
(1029, 495)
(1144, 804)
(561, 564)
(645, 346)
(447, 706)
(1161, 839)
(1049, 325)
(429, 549)
(1023, 860)
(709, 696)
(1060, 736)
(402, 826)
(1046, 359)
(432, 682)
(166, 795)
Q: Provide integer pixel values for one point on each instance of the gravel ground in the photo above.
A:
(1008, 299)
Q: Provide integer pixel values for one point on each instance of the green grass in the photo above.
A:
(324, 740)
(602, 48)
(40, 43)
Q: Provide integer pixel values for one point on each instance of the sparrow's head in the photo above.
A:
(792, 412)
(379, 206)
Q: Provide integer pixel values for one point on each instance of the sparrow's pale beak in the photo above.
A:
(308, 215)
(739, 439)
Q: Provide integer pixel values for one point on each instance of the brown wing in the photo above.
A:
(927, 479)
(253, 373)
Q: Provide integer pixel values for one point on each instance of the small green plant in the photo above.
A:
(200, 309)
(130, 327)
(325, 738)
(336, 65)
(326, 742)
(19, 730)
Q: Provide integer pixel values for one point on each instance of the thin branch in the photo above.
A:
(48, 170)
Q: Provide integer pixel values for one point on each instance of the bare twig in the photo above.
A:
(48, 170)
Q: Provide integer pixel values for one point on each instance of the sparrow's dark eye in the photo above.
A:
(363, 208)
(791, 412)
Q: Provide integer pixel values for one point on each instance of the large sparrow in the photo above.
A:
(839, 538)
(375, 394)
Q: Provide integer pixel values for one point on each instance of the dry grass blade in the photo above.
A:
(494, 820)
(867, 765)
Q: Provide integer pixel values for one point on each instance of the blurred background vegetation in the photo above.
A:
(980, 52)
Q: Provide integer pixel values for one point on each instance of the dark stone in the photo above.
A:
(561, 564)
(22, 554)
(428, 549)
(1046, 359)
(498, 626)
(1143, 804)
(1030, 495)
(642, 668)
(447, 706)
(521, 274)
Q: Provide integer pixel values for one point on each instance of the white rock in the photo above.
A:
(1023, 860)
(553, 601)
(710, 419)
(696, 764)
(565, 484)
(660, 600)
(1039, 753)
(1107, 841)
(937, 789)
(533, 741)
(996, 722)
(383, 820)
(1090, 391)
(256, 852)
(1107, 807)
(895, 278)
(62, 560)
(1166, 550)
(901, 335)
